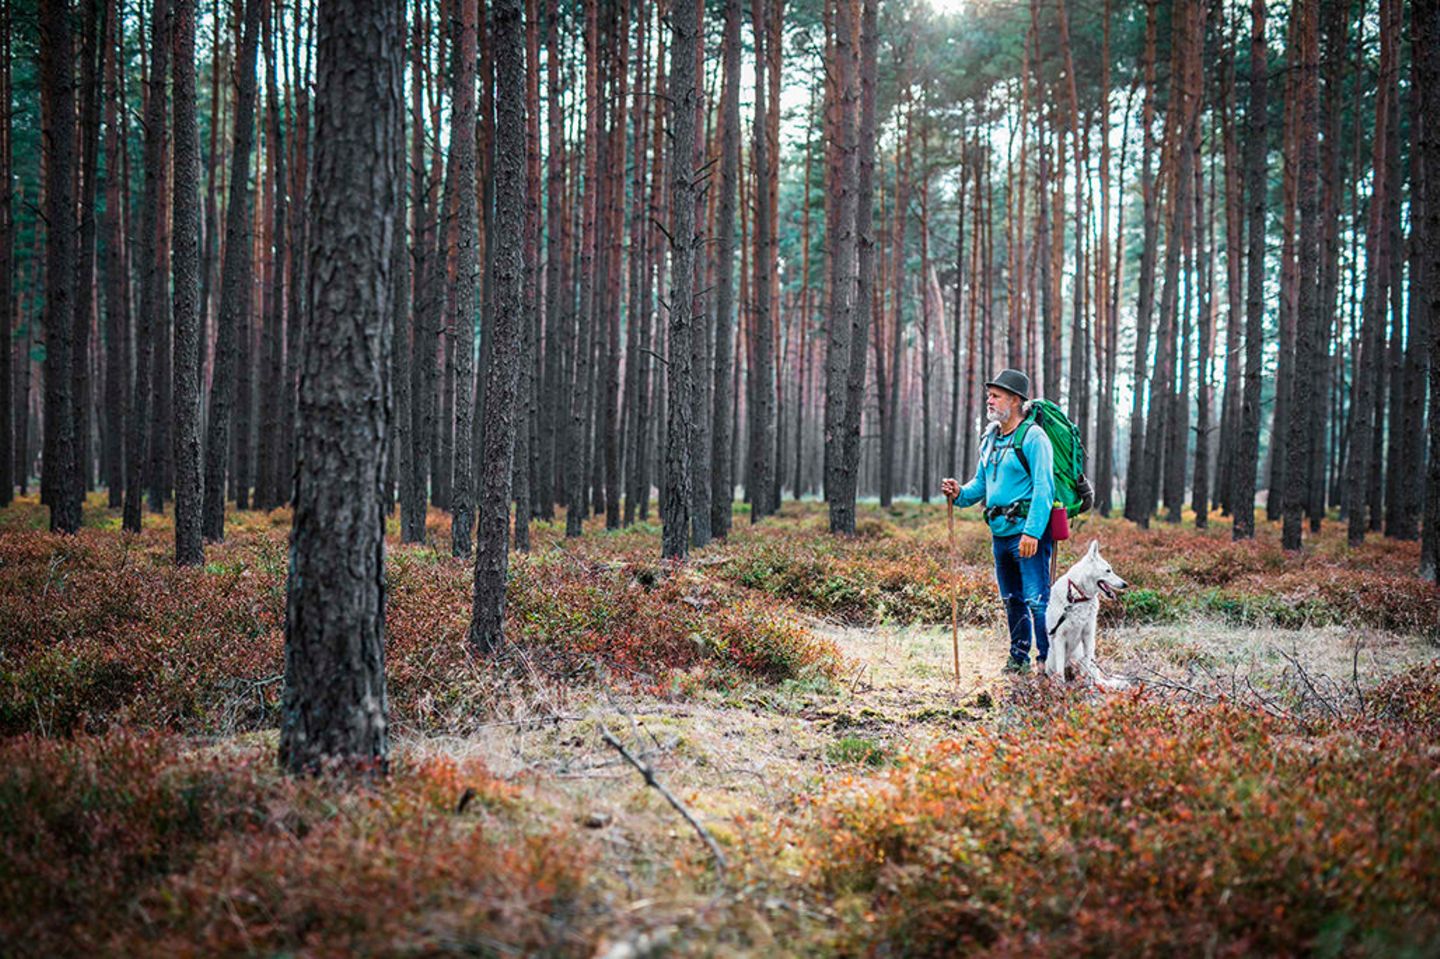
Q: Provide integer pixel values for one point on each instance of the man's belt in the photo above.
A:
(1012, 511)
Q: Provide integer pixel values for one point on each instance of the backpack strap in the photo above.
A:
(1019, 444)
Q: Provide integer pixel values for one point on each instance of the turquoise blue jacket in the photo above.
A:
(1000, 479)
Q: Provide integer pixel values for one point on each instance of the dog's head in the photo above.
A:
(1096, 573)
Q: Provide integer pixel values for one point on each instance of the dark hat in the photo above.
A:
(1012, 381)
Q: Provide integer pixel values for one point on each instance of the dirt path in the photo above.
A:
(743, 757)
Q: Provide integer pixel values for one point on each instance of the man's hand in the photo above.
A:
(950, 488)
(1028, 546)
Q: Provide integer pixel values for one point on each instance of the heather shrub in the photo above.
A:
(1135, 826)
(98, 630)
(128, 844)
(1410, 701)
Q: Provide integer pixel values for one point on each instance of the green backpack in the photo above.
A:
(1072, 488)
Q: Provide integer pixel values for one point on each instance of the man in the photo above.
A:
(1017, 485)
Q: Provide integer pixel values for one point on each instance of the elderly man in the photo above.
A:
(1016, 482)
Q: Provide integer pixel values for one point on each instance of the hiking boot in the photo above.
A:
(1017, 666)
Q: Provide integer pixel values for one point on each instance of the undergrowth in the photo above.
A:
(136, 844)
(1131, 825)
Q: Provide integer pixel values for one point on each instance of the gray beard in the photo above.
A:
(994, 416)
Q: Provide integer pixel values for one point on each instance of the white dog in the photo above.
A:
(1071, 616)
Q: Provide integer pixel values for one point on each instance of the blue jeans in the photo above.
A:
(1025, 588)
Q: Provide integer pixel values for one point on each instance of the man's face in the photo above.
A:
(1000, 404)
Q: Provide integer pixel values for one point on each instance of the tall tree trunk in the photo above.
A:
(926, 480)
(189, 549)
(1248, 451)
(578, 479)
(502, 374)
(890, 410)
(722, 492)
(425, 335)
(57, 94)
(527, 433)
(1137, 492)
(335, 699)
(685, 95)
(952, 464)
(157, 470)
(467, 274)
(615, 217)
(1362, 428)
(653, 277)
(115, 277)
(1289, 303)
(1307, 332)
(152, 288)
(7, 274)
(1401, 517)
(762, 436)
(1234, 231)
(557, 298)
(1102, 464)
(840, 476)
(268, 484)
(298, 243)
(235, 284)
(1334, 29)
(863, 307)
(91, 46)
(1425, 63)
(220, 51)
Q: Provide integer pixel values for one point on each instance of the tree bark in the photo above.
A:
(840, 477)
(1248, 450)
(7, 275)
(762, 374)
(1138, 494)
(1307, 332)
(57, 92)
(557, 299)
(1425, 62)
(492, 554)
(268, 485)
(685, 94)
(235, 284)
(334, 706)
(862, 308)
(722, 492)
(467, 276)
(425, 335)
(1364, 431)
(527, 434)
(185, 254)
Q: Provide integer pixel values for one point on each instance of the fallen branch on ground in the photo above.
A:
(649, 775)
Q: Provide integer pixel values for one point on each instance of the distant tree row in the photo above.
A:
(778, 248)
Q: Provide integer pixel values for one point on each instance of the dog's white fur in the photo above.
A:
(1070, 618)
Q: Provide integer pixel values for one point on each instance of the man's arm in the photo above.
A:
(974, 491)
(1042, 481)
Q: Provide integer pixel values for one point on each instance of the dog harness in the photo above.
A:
(1074, 596)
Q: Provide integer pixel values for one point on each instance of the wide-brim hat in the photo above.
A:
(1012, 381)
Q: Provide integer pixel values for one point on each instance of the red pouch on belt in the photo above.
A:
(1059, 523)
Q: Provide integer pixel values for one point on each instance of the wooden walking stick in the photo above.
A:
(954, 598)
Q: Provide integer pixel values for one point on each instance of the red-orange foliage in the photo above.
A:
(133, 844)
(102, 629)
(1132, 826)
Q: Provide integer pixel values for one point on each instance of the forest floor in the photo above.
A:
(1268, 783)
(743, 757)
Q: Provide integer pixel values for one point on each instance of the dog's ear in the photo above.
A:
(1094, 548)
